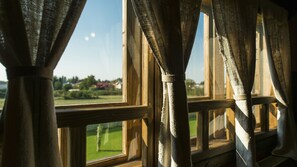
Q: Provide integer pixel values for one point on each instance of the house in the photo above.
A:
(103, 85)
(118, 85)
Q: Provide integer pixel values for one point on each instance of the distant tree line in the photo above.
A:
(85, 88)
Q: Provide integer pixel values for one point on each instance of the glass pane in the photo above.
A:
(193, 130)
(104, 140)
(196, 140)
(193, 125)
(195, 70)
(257, 113)
(90, 70)
(217, 128)
(272, 116)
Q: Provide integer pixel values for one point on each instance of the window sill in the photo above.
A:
(136, 163)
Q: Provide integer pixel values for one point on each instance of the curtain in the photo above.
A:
(33, 36)
(170, 27)
(275, 21)
(235, 22)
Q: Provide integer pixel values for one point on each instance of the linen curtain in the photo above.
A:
(235, 22)
(170, 27)
(275, 23)
(33, 36)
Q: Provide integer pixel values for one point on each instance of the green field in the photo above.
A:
(192, 124)
(111, 144)
(101, 99)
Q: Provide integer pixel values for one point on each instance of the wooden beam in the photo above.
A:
(195, 106)
(80, 117)
(263, 100)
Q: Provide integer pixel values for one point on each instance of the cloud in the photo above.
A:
(93, 35)
(86, 38)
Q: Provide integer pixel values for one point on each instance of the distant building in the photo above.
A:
(118, 85)
(74, 90)
(103, 85)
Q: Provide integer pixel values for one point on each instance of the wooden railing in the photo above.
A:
(78, 118)
(202, 108)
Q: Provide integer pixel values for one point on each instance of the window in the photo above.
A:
(195, 72)
(207, 64)
(211, 115)
(100, 78)
(90, 70)
(262, 83)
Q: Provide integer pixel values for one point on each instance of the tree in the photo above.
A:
(62, 79)
(66, 87)
(88, 82)
(57, 85)
(201, 83)
(117, 80)
(73, 80)
(190, 83)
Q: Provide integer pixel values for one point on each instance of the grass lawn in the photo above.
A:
(1, 103)
(192, 124)
(101, 99)
(111, 144)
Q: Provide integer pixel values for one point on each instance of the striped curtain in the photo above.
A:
(235, 22)
(170, 27)
(275, 23)
(33, 36)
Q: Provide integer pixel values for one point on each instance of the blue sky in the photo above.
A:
(95, 47)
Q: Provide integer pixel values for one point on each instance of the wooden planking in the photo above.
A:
(132, 139)
(148, 128)
(80, 117)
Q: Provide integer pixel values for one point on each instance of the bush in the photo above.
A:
(107, 92)
(79, 95)
(67, 87)
(59, 93)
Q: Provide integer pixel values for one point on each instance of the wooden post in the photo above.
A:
(265, 118)
(132, 76)
(77, 146)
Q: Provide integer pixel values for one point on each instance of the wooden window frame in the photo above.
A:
(73, 119)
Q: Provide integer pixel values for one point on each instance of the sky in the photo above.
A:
(95, 47)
